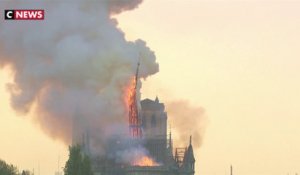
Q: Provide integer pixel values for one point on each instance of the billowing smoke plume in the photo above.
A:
(75, 64)
(117, 6)
(187, 120)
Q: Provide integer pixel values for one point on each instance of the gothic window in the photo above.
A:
(153, 121)
(144, 122)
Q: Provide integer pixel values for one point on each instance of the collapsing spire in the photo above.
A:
(134, 122)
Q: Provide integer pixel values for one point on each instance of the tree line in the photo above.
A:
(77, 164)
(9, 169)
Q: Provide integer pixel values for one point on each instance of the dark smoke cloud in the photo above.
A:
(186, 120)
(117, 6)
(74, 64)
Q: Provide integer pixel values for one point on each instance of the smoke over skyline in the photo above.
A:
(75, 63)
(183, 115)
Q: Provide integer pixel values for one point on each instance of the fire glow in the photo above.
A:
(135, 130)
(130, 100)
(145, 161)
(128, 94)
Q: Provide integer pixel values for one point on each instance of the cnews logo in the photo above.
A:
(24, 14)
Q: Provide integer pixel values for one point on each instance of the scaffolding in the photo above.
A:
(179, 155)
(135, 130)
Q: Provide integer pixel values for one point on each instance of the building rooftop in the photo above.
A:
(148, 104)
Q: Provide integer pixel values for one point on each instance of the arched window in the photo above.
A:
(143, 123)
(153, 121)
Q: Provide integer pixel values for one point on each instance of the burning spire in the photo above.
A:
(134, 122)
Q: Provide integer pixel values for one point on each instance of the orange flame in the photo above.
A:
(145, 161)
(130, 99)
(128, 93)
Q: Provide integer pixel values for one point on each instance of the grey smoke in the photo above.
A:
(117, 6)
(74, 63)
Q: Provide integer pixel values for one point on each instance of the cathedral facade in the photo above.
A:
(172, 161)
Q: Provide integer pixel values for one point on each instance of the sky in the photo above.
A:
(239, 60)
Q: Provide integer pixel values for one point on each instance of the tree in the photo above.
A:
(6, 169)
(78, 163)
(25, 172)
(86, 166)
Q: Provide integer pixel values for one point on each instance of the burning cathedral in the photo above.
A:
(147, 125)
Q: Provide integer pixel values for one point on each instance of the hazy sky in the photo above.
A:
(239, 60)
